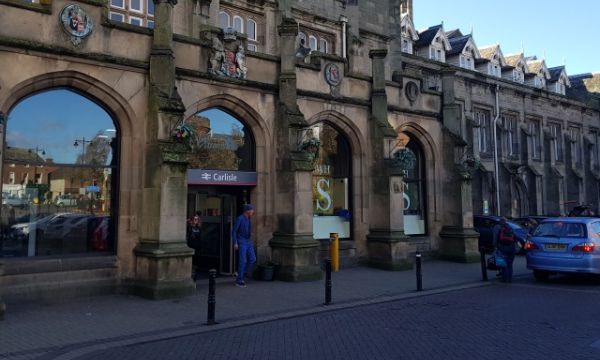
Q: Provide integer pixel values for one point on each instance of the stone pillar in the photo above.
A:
(388, 247)
(163, 260)
(459, 240)
(293, 246)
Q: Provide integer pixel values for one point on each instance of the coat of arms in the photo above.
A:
(76, 22)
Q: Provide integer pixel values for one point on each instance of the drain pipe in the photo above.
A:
(494, 131)
(344, 21)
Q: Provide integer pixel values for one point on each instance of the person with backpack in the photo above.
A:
(506, 244)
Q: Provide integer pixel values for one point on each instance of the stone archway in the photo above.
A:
(360, 189)
(130, 136)
(432, 172)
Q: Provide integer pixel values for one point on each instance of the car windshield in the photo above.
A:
(560, 229)
(513, 225)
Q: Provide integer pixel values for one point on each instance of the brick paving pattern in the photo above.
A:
(495, 322)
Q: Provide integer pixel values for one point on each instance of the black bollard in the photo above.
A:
(419, 272)
(212, 300)
(327, 281)
(484, 276)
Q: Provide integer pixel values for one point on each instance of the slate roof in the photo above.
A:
(488, 51)
(426, 36)
(513, 59)
(555, 73)
(454, 33)
(458, 44)
(534, 65)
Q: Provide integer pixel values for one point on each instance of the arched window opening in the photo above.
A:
(224, 20)
(414, 188)
(323, 45)
(224, 142)
(251, 29)
(238, 24)
(302, 39)
(59, 177)
(331, 181)
(312, 43)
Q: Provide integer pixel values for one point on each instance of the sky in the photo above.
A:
(53, 120)
(565, 31)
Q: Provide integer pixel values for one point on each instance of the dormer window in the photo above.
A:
(518, 76)
(466, 62)
(539, 82)
(494, 69)
(407, 46)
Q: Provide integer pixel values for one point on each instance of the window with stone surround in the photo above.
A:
(575, 138)
(244, 22)
(556, 134)
(316, 40)
(134, 12)
(536, 139)
(594, 158)
(482, 118)
(511, 139)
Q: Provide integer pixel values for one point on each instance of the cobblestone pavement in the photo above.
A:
(523, 320)
(34, 329)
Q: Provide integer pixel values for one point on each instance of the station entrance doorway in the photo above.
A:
(218, 207)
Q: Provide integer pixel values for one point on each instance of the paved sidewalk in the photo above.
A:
(31, 330)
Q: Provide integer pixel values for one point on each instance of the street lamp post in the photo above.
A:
(83, 141)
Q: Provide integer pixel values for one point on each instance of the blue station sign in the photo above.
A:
(221, 177)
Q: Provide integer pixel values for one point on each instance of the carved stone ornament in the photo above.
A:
(228, 56)
(76, 23)
(333, 76)
(412, 91)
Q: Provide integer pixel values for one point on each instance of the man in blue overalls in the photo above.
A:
(242, 233)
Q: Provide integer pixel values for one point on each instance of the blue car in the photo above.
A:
(564, 245)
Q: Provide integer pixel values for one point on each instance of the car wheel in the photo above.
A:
(541, 275)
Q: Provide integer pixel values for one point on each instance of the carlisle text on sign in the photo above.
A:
(219, 177)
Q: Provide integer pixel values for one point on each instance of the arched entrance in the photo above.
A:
(332, 181)
(59, 177)
(221, 177)
(415, 204)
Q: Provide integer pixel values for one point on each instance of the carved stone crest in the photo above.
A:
(333, 76)
(76, 23)
(228, 57)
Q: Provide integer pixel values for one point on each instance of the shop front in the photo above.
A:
(220, 181)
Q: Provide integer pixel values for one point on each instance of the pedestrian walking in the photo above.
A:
(241, 234)
(194, 238)
(506, 245)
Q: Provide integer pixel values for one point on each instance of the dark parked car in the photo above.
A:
(484, 225)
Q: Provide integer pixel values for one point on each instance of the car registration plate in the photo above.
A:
(555, 246)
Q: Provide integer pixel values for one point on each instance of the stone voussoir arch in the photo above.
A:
(432, 171)
(346, 127)
(97, 91)
(238, 109)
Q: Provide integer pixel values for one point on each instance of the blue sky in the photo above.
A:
(53, 120)
(562, 29)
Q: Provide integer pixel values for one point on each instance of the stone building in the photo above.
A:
(328, 116)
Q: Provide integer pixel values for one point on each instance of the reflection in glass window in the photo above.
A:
(331, 181)
(223, 20)
(224, 143)
(414, 189)
(238, 24)
(57, 177)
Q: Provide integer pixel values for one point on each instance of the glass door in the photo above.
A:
(217, 212)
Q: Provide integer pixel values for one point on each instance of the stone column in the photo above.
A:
(163, 260)
(2, 138)
(459, 241)
(387, 245)
(293, 246)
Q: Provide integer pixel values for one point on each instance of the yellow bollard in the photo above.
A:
(334, 251)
